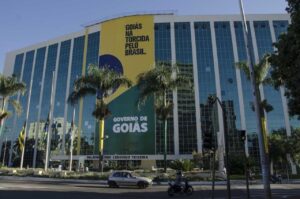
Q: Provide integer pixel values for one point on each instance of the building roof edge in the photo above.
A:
(127, 14)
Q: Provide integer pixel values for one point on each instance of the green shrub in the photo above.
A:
(183, 165)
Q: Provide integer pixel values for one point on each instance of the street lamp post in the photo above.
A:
(243, 138)
(212, 100)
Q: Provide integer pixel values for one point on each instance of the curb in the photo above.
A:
(104, 182)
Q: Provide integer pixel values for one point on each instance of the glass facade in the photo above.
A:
(60, 96)
(163, 54)
(28, 66)
(50, 68)
(87, 137)
(46, 96)
(206, 79)
(76, 71)
(275, 117)
(32, 122)
(186, 97)
(228, 84)
(36, 88)
(9, 131)
(250, 116)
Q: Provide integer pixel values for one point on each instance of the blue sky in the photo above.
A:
(26, 22)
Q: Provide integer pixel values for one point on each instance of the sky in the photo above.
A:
(27, 22)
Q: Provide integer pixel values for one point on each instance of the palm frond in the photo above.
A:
(262, 69)
(3, 115)
(268, 81)
(16, 105)
(163, 111)
(85, 81)
(9, 86)
(82, 92)
(101, 110)
(181, 82)
(244, 67)
(266, 106)
(159, 80)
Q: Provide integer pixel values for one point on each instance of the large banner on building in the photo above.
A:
(127, 46)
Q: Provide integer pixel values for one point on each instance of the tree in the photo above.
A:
(162, 79)
(101, 82)
(9, 86)
(279, 146)
(294, 145)
(258, 77)
(286, 59)
(261, 71)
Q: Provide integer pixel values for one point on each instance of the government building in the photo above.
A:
(204, 48)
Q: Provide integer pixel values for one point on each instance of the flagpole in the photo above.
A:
(264, 161)
(50, 124)
(72, 139)
(25, 126)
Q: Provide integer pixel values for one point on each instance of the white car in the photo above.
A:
(125, 178)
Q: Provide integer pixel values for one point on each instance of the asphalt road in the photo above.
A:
(34, 189)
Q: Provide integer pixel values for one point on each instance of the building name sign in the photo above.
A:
(119, 157)
(130, 124)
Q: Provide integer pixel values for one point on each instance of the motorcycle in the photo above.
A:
(277, 179)
(180, 189)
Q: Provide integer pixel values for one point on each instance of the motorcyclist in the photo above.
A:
(178, 179)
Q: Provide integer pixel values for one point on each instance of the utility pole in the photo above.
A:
(264, 157)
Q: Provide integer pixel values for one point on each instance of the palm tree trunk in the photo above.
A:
(101, 141)
(165, 145)
(165, 135)
(264, 149)
(1, 125)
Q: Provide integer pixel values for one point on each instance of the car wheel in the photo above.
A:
(112, 184)
(141, 185)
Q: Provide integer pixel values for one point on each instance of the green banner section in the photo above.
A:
(131, 130)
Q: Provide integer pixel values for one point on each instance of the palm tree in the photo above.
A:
(100, 82)
(162, 79)
(9, 86)
(261, 71)
(261, 76)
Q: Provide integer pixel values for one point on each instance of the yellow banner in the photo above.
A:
(131, 41)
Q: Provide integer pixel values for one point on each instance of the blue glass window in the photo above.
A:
(89, 137)
(186, 98)
(264, 45)
(228, 83)
(76, 71)
(163, 54)
(206, 77)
